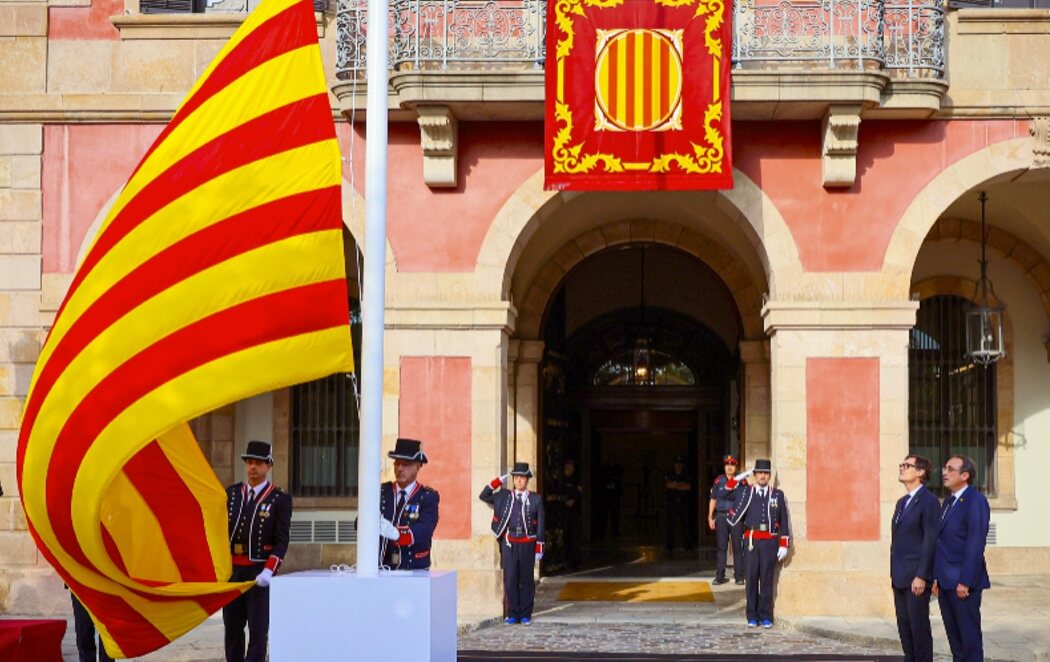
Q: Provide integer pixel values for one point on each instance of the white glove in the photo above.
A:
(388, 530)
(740, 477)
(539, 557)
(264, 577)
(782, 552)
(504, 477)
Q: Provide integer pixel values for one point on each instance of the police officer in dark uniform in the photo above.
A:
(409, 511)
(260, 518)
(518, 524)
(567, 509)
(679, 488)
(763, 510)
(723, 495)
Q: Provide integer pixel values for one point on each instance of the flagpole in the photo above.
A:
(374, 291)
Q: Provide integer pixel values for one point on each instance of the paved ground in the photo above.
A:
(1016, 624)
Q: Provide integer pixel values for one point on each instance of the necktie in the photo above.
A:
(250, 498)
(948, 503)
(907, 502)
(400, 502)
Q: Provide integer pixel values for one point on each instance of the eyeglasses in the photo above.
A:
(906, 465)
(948, 469)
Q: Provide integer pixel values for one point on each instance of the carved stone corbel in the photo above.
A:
(1039, 127)
(438, 135)
(841, 124)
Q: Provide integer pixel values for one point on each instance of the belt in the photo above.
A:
(243, 560)
(511, 538)
(760, 535)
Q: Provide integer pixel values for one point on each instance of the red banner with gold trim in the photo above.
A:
(638, 95)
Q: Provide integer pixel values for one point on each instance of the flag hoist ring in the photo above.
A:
(638, 80)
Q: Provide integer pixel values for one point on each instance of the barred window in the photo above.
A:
(951, 402)
(325, 429)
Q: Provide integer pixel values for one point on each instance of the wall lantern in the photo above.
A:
(984, 319)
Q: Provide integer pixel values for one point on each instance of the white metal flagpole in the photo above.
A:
(374, 291)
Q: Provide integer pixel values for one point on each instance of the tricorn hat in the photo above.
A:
(258, 450)
(763, 465)
(729, 459)
(408, 449)
(521, 469)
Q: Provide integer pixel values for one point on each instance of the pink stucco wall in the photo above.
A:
(83, 166)
(84, 22)
(438, 230)
(435, 408)
(842, 448)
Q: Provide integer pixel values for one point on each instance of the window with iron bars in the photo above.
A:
(326, 431)
(952, 403)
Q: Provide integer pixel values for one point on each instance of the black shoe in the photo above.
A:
(740, 582)
(720, 580)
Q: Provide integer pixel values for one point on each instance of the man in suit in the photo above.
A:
(763, 510)
(916, 520)
(260, 522)
(518, 524)
(959, 570)
(409, 511)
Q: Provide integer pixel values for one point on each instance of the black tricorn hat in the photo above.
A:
(521, 469)
(408, 449)
(763, 465)
(258, 450)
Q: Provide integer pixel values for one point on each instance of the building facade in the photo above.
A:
(813, 314)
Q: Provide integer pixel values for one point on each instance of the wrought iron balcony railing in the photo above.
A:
(904, 37)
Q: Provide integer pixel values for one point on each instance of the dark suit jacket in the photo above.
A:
(914, 540)
(961, 541)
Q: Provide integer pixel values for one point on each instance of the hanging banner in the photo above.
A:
(637, 95)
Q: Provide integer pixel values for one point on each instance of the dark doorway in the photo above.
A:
(636, 373)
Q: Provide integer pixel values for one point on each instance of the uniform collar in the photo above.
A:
(409, 489)
(258, 489)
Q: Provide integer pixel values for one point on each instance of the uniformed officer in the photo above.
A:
(763, 510)
(518, 524)
(679, 488)
(724, 491)
(567, 508)
(260, 518)
(409, 511)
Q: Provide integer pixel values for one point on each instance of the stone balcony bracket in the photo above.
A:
(1039, 128)
(841, 126)
(839, 316)
(438, 134)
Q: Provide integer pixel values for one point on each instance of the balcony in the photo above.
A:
(792, 59)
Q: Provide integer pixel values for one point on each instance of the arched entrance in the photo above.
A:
(640, 368)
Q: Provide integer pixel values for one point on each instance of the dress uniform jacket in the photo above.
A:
(766, 527)
(771, 519)
(501, 503)
(269, 525)
(415, 522)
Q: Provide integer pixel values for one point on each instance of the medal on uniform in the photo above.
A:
(413, 512)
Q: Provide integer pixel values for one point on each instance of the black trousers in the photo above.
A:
(572, 548)
(678, 518)
(913, 624)
(761, 577)
(519, 585)
(962, 624)
(251, 609)
(724, 534)
(85, 629)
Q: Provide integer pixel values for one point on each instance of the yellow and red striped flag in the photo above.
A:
(218, 274)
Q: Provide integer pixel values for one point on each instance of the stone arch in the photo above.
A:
(1016, 250)
(528, 207)
(1006, 493)
(745, 294)
(949, 185)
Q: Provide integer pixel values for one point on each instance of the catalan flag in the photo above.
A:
(218, 274)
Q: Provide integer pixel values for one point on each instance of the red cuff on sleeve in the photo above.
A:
(406, 538)
(785, 541)
(539, 548)
(273, 563)
(496, 483)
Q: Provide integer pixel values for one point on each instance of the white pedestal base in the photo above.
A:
(399, 615)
